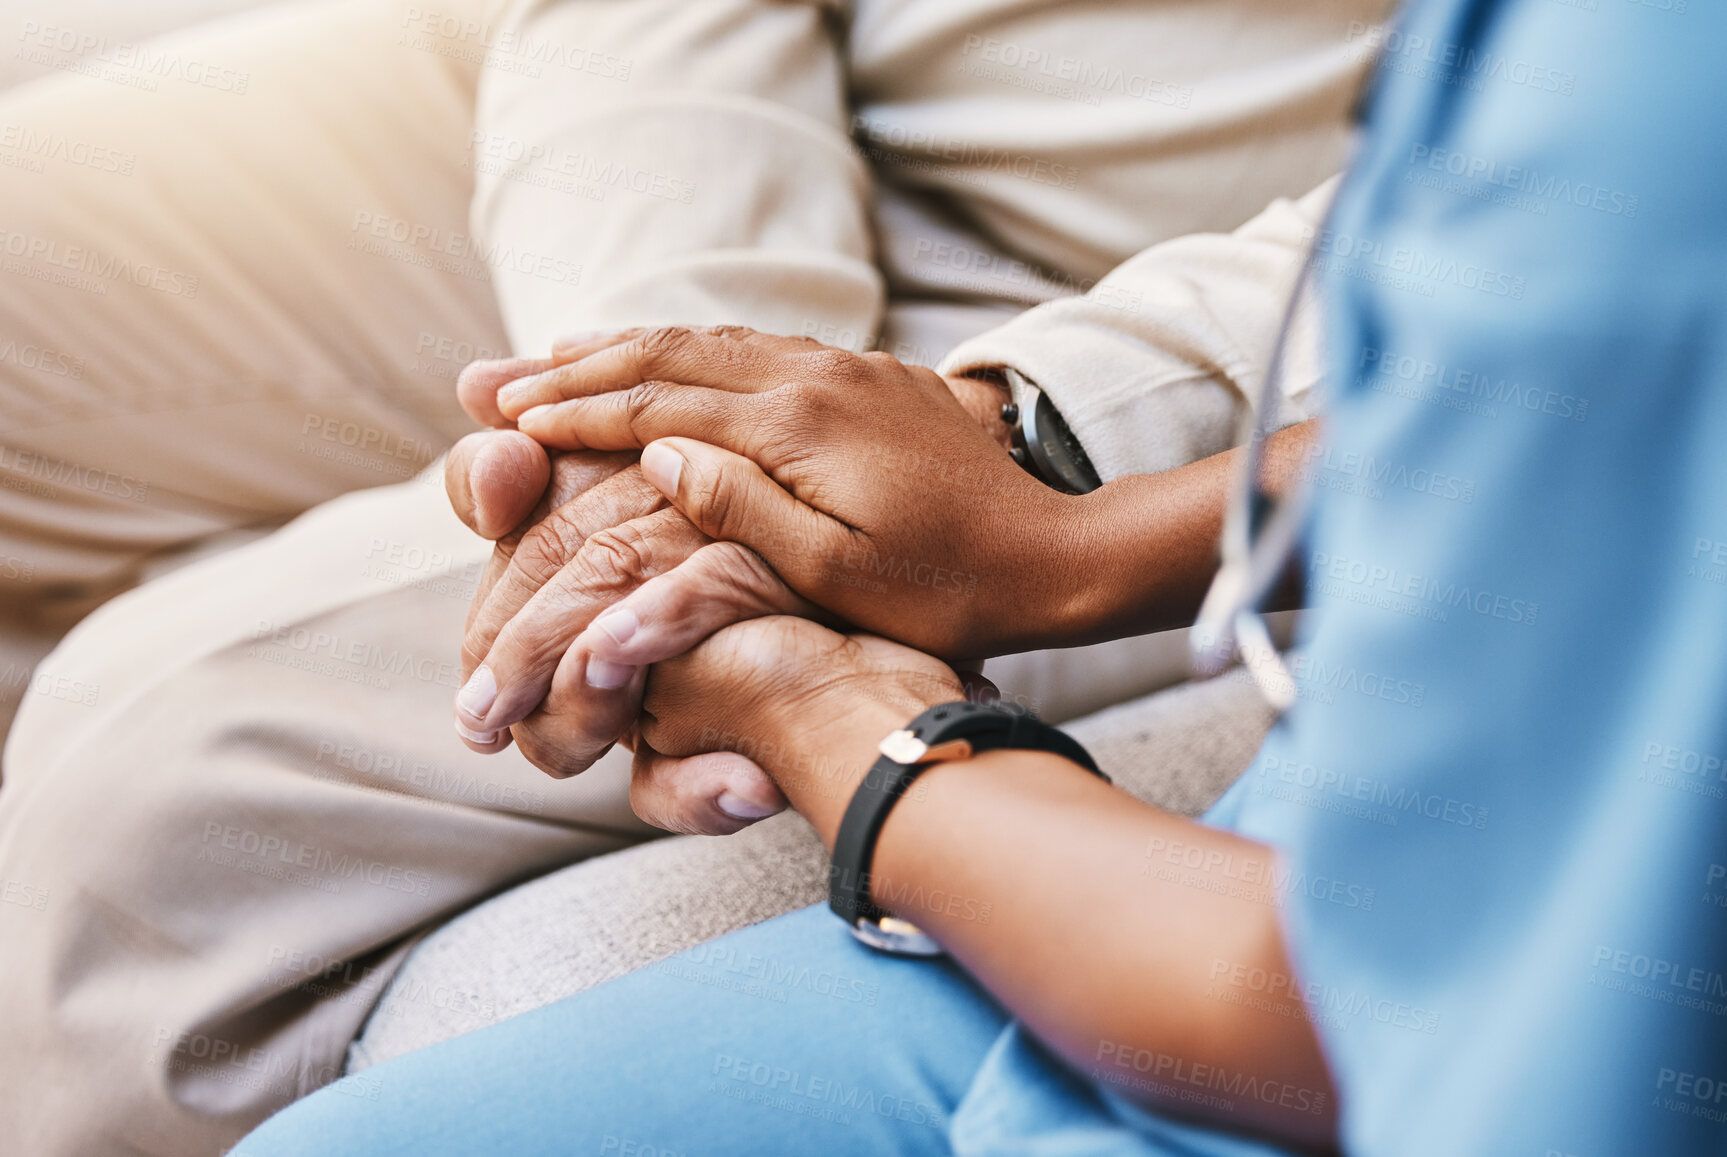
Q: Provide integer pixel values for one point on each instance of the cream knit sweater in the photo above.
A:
(925, 170)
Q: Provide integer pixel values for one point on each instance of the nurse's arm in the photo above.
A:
(1146, 949)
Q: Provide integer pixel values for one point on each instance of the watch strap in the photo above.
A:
(946, 731)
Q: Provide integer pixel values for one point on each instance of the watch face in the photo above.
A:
(1055, 449)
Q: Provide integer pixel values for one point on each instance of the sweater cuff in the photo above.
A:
(1135, 409)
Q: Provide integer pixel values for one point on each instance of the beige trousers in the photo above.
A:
(205, 330)
(200, 330)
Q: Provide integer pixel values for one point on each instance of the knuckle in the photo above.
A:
(524, 655)
(817, 400)
(614, 557)
(642, 400)
(546, 756)
(543, 755)
(544, 549)
(655, 346)
(480, 639)
(833, 364)
(708, 491)
(527, 651)
(554, 750)
(738, 567)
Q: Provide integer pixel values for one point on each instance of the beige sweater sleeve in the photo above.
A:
(1161, 361)
(686, 161)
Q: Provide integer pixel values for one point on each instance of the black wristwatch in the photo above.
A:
(949, 731)
(1042, 441)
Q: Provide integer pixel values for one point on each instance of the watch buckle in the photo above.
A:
(905, 747)
(900, 937)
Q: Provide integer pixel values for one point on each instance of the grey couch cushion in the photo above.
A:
(594, 921)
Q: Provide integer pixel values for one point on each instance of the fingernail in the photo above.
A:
(661, 465)
(575, 339)
(477, 694)
(529, 416)
(608, 676)
(481, 737)
(620, 625)
(740, 808)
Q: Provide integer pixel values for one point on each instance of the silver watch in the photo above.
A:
(1042, 441)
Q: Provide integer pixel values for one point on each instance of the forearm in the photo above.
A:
(880, 500)
(1143, 550)
(1109, 927)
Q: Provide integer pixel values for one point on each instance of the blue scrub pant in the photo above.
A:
(786, 1037)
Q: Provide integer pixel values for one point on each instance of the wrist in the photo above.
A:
(1051, 531)
(822, 755)
(1078, 595)
(1141, 552)
(1050, 543)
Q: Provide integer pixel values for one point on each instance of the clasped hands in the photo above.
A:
(745, 557)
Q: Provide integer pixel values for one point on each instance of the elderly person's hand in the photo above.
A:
(576, 531)
(569, 549)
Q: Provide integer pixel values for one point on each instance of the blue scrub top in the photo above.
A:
(1502, 794)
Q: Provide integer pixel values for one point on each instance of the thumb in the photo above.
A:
(494, 478)
(713, 794)
(731, 499)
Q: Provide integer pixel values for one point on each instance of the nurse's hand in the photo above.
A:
(864, 483)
